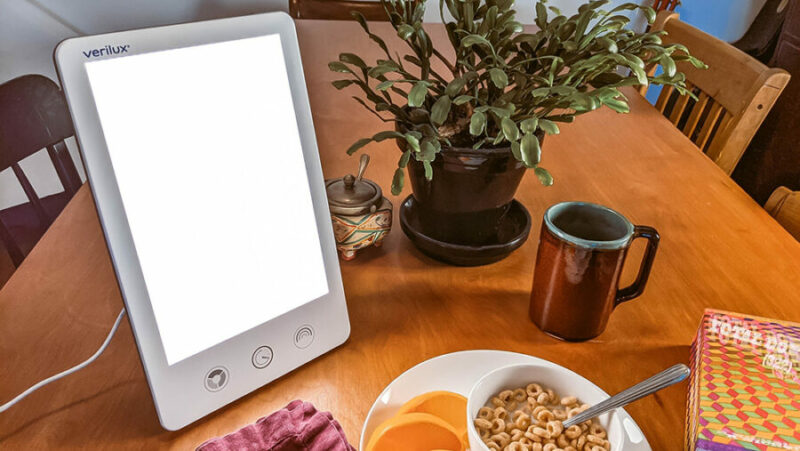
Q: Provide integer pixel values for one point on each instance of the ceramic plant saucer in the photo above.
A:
(512, 233)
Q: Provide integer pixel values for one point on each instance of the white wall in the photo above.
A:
(30, 29)
(526, 9)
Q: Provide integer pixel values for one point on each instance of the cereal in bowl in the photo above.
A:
(530, 419)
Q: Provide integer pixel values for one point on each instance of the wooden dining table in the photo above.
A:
(719, 249)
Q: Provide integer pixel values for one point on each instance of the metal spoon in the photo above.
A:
(362, 166)
(664, 379)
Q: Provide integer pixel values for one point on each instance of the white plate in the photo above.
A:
(458, 372)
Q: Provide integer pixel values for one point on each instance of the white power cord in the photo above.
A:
(75, 368)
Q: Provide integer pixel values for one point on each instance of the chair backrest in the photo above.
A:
(784, 206)
(336, 9)
(665, 5)
(734, 94)
(34, 116)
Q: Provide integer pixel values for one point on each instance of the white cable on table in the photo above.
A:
(75, 368)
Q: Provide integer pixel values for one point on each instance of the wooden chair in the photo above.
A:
(784, 206)
(34, 116)
(666, 5)
(734, 94)
(336, 9)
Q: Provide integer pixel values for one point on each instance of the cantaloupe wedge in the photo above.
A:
(415, 432)
(449, 406)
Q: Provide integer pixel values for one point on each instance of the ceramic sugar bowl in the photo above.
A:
(361, 215)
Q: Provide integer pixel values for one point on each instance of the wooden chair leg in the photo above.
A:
(11, 246)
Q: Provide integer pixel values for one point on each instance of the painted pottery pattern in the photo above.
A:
(356, 232)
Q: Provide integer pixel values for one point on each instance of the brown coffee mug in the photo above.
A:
(582, 248)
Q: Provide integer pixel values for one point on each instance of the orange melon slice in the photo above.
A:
(415, 432)
(449, 406)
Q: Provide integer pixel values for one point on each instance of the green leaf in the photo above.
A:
(499, 77)
(697, 63)
(341, 84)
(380, 70)
(502, 112)
(404, 159)
(417, 95)
(412, 141)
(634, 60)
(477, 123)
(388, 134)
(427, 150)
(544, 176)
(337, 66)
(515, 150)
(405, 31)
(352, 59)
(531, 150)
(649, 13)
(357, 145)
(668, 65)
(609, 44)
(384, 85)
(529, 125)
(641, 76)
(440, 110)
(460, 100)
(541, 15)
(397, 181)
(620, 106)
(549, 127)
(455, 86)
(474, 39)
(583, 102)
(428, 169)
(540, 92)
(510, 130)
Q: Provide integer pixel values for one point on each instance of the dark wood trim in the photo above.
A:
(44, 220)
(336, 9)
(11, 246)
(65, 168)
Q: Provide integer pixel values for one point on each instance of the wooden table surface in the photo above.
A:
(719, 249)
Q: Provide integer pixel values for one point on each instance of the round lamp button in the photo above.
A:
(262, 357)
(216, 378)
(304, 336)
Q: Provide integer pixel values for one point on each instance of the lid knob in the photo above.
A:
(349, 181)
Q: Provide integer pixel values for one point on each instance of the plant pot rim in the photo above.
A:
(495, 151)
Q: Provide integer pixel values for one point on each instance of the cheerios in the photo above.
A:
(530, 419)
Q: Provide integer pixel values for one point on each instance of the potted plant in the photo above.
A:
(469, 126)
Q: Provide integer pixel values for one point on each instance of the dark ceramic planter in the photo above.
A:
(470, 193)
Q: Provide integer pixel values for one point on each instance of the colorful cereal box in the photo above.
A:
(744, 392)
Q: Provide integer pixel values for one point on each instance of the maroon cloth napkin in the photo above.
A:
(297, 427)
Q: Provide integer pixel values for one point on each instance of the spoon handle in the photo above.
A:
(362, 166)
(664, 379)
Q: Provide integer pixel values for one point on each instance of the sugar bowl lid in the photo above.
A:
(354, 195)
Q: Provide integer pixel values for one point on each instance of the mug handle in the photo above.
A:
(637, 287)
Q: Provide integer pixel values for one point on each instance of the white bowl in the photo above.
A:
(563, 381)
(459, 372)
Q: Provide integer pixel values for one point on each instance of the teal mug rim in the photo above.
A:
(616, 244)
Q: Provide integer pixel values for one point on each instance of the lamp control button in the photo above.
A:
(262, 357)
(216, 378)
(304, 336)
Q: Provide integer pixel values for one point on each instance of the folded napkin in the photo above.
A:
(297, 427)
